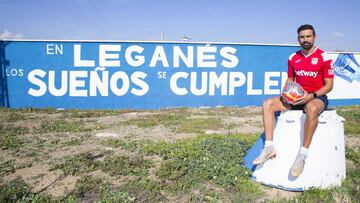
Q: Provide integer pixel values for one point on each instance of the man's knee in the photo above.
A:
(267, 104)
(270, 104)
(312, 110)
(274, 104)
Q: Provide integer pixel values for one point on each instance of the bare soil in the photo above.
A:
(33, 162)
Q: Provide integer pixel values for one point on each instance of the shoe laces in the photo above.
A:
(300, 159)
(267, 150)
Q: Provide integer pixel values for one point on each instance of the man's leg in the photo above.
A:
(270, 106)
(312, 109)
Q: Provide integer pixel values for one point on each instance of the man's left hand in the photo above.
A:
(304, 99)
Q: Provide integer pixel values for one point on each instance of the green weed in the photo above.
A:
(10, 166)
(352, 117)
(214, 158)
(7, 167)
(61, 125)
(316, 195)
(153, 120)
(10, 142)
(207, 195)
(39, 143)
(48, 110)
(245, 191)
(228, 111)
(115, 196)
(90, 113)
(120, 165)
(72, 142)
(128, 145)
(12, 130)
(350, 187)
(134, 145)
(202, 169)
(88, 188)
(353, 154)
(18, 191)
(78, 164)
(14, 191)
(178, 123)
(144, 190)
(12, 117)
(9, 138)
(115, 143)
(197, 125)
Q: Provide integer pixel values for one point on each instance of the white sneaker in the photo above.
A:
(298, 166)
(267, 153)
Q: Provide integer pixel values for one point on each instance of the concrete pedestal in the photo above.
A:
(325, 164)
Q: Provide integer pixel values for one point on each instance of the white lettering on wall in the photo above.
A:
(236, 79)
(159, 55)
(268, 83)
(173, 83)
(78, 62)
(187, 59)
(194, 80)
(36, 81)
(114, 83)
(138, 79)
(99, 84)
(216, 81)
(228, 53)
(107, 59)
(250, 90)
(138, 60)
(77, 81)
(206, 57)
(63, 84)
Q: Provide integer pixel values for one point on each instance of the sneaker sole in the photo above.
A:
(271, 156)
(296, 174)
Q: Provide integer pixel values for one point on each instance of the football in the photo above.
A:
(291, 92)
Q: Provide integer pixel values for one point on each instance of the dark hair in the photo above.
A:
(306, 27)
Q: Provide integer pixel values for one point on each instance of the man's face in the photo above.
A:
(306, 39)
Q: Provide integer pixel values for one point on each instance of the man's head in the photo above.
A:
(306, 36)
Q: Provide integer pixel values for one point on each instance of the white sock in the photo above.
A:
(268, 143)
(304, 151)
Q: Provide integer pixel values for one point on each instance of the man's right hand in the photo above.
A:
(304, 99)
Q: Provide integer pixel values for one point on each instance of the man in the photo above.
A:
(314, 72)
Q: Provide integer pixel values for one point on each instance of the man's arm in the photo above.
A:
(329, 84)
(290, 79)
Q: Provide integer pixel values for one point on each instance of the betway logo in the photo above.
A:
(306, 73)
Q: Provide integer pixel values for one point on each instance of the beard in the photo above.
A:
(307, 45)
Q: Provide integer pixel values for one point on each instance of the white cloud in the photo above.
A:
(338, 34)
(6, 34)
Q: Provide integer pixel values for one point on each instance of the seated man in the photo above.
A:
(314, 72)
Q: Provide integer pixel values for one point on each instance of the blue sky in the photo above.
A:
(252, 21)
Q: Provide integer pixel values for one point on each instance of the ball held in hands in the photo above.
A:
(291, 92)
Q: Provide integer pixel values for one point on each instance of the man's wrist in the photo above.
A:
(314, 95)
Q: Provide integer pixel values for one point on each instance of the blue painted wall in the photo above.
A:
(140, 75)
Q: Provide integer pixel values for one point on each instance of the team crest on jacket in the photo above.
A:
(314, 61)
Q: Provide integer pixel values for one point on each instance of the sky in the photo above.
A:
(252, 21)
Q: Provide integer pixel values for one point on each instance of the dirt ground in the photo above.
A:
(41, 149)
